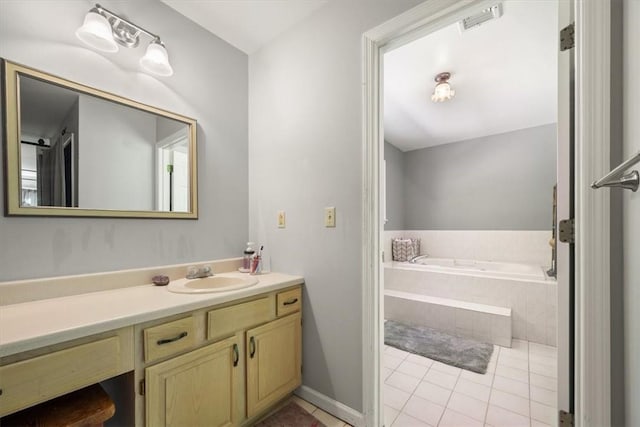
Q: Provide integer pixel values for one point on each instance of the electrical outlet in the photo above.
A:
(282, 221)
(330, 217)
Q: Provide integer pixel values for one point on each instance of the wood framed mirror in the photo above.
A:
(76, 151)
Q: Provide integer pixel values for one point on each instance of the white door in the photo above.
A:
(631, 212)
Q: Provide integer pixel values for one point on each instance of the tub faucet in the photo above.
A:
(194, 272)
(416, 258)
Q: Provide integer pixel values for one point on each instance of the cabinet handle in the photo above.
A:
(252, 347)
(291, 301)
(236, 355)
(174, 339)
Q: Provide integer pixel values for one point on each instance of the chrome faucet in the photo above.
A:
(417, 258)
(195, 272)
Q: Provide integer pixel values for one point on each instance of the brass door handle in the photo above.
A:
(252, 347)
(236, 355)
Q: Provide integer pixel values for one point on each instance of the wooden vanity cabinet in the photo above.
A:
(245, 356)
(221, 365)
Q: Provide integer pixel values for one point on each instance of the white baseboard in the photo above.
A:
(331, 406)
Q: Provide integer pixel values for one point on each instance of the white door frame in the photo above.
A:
(177, 137)
(592, 364)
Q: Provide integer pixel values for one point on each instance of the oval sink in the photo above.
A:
(217, 283)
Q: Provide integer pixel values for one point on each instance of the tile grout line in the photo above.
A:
(446, 406)
(529, 377)
(401, 411)
(486, 411)
(412, 393)
(385, 383)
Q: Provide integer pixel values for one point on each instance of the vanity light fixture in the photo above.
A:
(104, 30)
(442, 92)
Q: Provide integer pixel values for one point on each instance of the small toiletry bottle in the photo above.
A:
(247, 258)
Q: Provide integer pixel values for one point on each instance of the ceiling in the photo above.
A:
(504, 74)
(246, 24)
(43, 106)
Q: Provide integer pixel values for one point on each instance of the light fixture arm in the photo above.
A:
(116, 22)
(103, 30)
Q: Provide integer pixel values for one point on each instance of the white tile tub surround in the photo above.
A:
(527, 247)
(532, 302)
(480, 321)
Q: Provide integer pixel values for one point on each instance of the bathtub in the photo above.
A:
(507, 270)
(487, 300)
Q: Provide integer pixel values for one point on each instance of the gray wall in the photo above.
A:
(305, 153)
(498, 182)
(210, 84)
(116, 155)
(394, 159)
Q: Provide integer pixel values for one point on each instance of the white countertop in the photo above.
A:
(30, 325)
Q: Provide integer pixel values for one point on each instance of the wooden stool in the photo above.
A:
(88, 407)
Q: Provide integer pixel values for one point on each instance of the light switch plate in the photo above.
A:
(282, 220)
(330, 217)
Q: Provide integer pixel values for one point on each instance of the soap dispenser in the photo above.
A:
(247, 258)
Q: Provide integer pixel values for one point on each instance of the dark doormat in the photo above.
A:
(465, 353)
(290, 415)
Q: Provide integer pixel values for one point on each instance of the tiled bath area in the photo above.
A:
(488, 285)
(524, 246)
(476, 302)
(532, 303)
(483, 322)
(519, 389)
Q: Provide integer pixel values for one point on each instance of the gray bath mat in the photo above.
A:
(464, 353)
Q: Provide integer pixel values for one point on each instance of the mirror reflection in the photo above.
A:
(78, 150)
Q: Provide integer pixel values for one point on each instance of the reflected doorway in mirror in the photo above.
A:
(172, 168)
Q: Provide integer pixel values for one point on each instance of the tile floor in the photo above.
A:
(322, 416)
(519, 389)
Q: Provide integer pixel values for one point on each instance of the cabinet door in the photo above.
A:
(273, 362)
(199, 388)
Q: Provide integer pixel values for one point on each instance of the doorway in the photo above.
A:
(470, 143)
(172, 171)
(592, 23)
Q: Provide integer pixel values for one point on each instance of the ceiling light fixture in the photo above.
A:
(442, 92)
(104, 30)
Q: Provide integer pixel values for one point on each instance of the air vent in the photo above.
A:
(493, 12)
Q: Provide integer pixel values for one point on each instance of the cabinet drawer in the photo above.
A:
(168, 338)
(226, 321)
(41, 378)
(288, 302)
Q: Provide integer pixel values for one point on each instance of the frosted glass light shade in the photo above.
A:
(96, 32)
(442, 92)
(156, 60)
